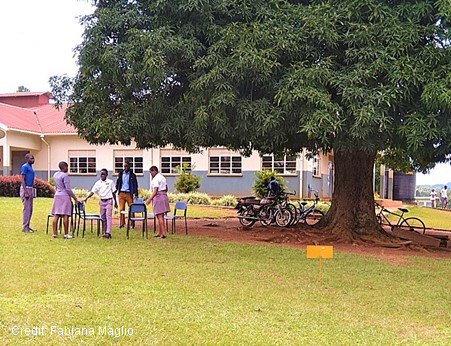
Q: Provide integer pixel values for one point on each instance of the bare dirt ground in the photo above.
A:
(230, 230)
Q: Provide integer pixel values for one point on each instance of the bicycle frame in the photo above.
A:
(382, 214)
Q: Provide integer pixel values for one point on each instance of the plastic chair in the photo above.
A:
(60, 226)
(181, 205)
(90, 217)
(132, 211)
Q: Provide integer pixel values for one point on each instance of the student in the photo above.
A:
(274, 187)
(62, 206)
(27, 192)
(433, 198)
(159, 199)
(444, 196)
(127, 187)
(106, 191)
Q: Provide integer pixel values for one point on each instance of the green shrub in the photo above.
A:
(261, 183)
(225, 201)
(82, 193)
(190, 198)
(10, 186)
(52, 181)
(144, 193)
(186, 181)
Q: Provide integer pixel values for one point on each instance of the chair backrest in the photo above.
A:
(180, 205)
(139, 200)
(137, 208)
(81, 209)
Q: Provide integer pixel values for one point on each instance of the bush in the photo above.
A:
(52, 181)
(187, 182)
(190, 198)
(10, 186)
(82, 193)
(261, 183)
(226, 201)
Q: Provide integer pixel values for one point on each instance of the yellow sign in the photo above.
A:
(319, 251)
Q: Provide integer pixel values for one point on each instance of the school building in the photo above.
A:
(29, 123)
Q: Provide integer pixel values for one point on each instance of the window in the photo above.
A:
(316, 167)
(82, 161)
(282, 164)
(171, 159)
(223, 161)
(134, 157)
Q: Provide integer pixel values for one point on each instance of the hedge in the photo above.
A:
(10, 186)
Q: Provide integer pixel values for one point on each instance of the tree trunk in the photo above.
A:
(352, 215)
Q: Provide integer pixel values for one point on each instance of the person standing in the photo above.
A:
(159, 199)
(444, 196)
(273, 187)
(433, 198)
(106, 190)
(27, 193)
(127, 188)
(62, 206)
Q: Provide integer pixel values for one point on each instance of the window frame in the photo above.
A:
(230, 155)
(69, 157)
(133, 154)
(285, 172)
(316, 164)
(171, 156)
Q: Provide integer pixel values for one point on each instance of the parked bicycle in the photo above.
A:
(309, 215)
(409, 224)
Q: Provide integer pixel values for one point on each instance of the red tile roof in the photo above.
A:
(22, 94)
(43, 119)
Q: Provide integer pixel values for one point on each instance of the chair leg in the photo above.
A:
(173, 226)
(78, 225)
(47, 229)
(91, 225)
(84, 227)
(147, 230)
(128, 228)
(98, 228)
(186, 226)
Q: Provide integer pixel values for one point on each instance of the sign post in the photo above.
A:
(320, 251)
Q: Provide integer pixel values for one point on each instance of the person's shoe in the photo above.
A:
(107, 236)
(121, 226)
(55, 236)
(163, 237)
(156, 236)
(29, 230)
(68, 236)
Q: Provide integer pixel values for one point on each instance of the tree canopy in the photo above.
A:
(355, 76)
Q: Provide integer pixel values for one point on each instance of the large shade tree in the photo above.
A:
(353, 76)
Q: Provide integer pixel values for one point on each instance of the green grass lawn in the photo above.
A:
(193, 290)
(434, 218)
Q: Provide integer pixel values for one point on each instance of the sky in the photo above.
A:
(38, 38)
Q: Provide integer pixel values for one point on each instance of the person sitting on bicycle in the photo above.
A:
(274, 187)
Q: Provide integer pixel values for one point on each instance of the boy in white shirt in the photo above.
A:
(106, 190)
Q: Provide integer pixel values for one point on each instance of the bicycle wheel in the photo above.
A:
(413, 224)
(283, 217)
(247, 222)
(266, 215)
(294, 213)
(313, 217)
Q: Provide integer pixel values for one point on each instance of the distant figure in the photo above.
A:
(27, 192)
(433, 198)
(127, 187)
(444, 196)
(62, 206)
(274, 187)
(106, 190)
(159, 199)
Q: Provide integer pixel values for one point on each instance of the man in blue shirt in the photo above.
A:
(127, 187)
(274, 187)
(26, 192)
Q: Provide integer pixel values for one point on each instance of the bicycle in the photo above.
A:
(311, 216)
(410, 224)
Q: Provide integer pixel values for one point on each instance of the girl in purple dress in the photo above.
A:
(159, 199)
(62, 206)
